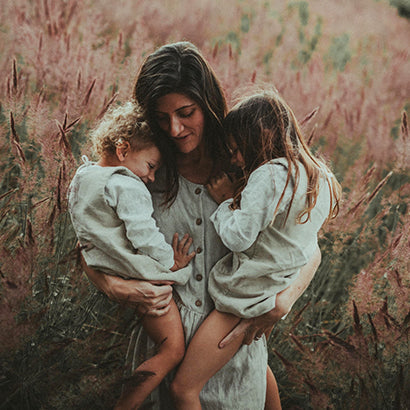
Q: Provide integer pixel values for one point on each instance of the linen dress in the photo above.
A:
(269, 246)
(241, 383)
(111, 211)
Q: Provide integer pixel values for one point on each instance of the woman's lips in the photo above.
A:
(181, 138)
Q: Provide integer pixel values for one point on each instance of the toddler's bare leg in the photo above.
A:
(167, 333)
(203, 359)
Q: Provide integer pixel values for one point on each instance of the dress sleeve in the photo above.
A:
(132, 202)
(239, 228)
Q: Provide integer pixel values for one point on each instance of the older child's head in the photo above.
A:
(123, 137)
(262, 127)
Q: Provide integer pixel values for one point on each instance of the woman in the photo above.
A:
(184, 102)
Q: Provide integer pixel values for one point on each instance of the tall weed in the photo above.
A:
(63, 64)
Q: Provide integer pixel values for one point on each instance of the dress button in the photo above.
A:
(198, 277)
(198, 191)
(198, 221)
(198, 249)
(198, 303)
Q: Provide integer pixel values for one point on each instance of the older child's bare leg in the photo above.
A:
(272, 392)
(167, 333)
(203, 359)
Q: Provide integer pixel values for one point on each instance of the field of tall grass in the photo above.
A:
(344, 68)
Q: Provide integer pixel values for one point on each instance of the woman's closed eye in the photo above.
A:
(187, 114)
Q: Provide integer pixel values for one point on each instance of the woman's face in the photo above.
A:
(182, 119)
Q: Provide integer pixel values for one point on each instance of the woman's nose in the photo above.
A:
(175, 127)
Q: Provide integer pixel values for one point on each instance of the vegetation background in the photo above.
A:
(342, 65)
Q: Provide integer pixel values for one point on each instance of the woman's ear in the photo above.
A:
(122, 150)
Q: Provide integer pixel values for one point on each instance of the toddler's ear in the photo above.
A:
(122, 150)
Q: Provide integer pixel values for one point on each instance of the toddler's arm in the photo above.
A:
(181, 249)
(132, 203)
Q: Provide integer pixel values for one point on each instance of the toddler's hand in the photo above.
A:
(181, 249)
(221, 188)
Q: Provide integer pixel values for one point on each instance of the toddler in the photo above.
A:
(111, 211)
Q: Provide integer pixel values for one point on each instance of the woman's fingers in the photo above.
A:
(240, 330)
(152, 292)
(159, 312)
(143, 310)
(250, 334)
(161, 283)
(247, 330)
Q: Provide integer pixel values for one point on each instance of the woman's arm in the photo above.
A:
(152, 298)
(255, 327)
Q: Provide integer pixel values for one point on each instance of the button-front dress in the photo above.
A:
(241, 383)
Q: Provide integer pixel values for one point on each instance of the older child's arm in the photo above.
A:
(238, 228)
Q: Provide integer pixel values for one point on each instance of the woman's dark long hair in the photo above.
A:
(181, 68)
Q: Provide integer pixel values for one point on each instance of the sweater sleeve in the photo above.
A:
(239, 228)
(132, 202)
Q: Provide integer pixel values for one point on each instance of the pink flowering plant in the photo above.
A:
(342, 66)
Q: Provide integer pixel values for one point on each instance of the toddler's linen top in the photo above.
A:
(111, 211)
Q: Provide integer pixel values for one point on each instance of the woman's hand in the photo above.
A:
(151, 298)
(253, 329)
(250, 329)
(221, 188)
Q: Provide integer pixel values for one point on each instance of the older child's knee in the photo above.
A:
(182, 395)
(173, 351)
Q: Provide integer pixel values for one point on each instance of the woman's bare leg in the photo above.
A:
(272, 392)
(167, 333)
(203, 359)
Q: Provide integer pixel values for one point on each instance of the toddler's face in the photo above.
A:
(143, 163)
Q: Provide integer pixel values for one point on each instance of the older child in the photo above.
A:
(111, 211)
(270, 222)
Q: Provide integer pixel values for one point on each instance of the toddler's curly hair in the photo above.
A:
(121, 124)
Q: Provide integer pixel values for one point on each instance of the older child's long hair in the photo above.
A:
(265, 128)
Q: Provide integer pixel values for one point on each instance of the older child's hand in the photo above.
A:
(181, 249)
(221, 188)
